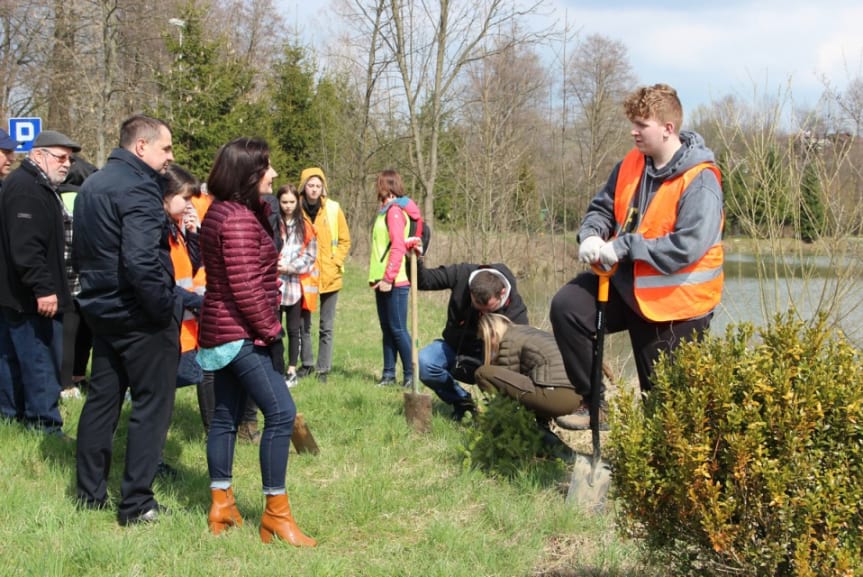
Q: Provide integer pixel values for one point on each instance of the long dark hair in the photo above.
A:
(297, 217)
(238, 168)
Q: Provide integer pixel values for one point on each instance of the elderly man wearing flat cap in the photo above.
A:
(33, 290)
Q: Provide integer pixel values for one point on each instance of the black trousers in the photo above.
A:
(573, 318)
(77, 343)
(146, 363)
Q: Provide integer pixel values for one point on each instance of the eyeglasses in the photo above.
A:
(61, 158)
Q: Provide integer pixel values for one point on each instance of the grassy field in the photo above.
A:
(380, 499)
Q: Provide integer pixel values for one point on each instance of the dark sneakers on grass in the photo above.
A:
(151, 515)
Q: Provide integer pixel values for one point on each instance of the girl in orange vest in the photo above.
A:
(297, 270)
(188, 272)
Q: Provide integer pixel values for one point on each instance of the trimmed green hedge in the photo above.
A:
(747, 458)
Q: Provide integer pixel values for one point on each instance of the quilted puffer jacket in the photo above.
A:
(534, 353)
(242, 295)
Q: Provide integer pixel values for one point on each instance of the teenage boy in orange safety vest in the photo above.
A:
(659, 219)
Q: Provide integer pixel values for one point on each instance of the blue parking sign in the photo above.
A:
(25, 130)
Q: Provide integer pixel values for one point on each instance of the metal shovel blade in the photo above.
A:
(588, 486)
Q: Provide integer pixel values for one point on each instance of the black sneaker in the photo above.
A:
(462, 409)
(386, 382)
(304, 372)
(144, 517)
(408, 383)
(322, 377)
(166, 471)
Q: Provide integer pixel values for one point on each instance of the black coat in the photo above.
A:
(462, 319)
(120, 250)
(32, 241)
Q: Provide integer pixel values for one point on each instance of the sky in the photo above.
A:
(706, 50)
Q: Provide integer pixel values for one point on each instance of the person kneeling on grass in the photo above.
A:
(524, 363)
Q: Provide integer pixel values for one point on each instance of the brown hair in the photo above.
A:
(658, 102)
(140, 126)
(485, 285)
(297, 217)
(389, 183)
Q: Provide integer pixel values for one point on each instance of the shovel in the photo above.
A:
(302, 438)
(591, 478)
(418, 407)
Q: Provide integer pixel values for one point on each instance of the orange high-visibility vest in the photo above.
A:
(691, 291)
(202, 204)
(310, 280)
(185, 279)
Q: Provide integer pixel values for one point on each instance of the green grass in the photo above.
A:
(381, 499)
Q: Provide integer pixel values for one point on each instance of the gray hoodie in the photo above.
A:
(699, 217)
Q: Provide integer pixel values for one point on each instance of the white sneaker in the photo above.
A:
(70, 393)
(291, 380)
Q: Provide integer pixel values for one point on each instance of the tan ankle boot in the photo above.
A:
(277, 520)
(223, 511)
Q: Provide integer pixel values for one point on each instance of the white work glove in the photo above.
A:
(608, 256)
(588, 250)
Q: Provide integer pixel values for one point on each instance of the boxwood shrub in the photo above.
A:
(747, 457)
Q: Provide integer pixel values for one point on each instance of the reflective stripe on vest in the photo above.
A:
(184, 279)
(690, 292)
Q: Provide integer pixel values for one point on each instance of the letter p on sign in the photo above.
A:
(25, 130)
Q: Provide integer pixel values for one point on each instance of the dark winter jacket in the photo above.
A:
(242, 297)
(120, 249)
(462, 319)
(534, 353)
(32, 241)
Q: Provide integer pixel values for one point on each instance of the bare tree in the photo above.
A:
(599, 78)
(499, 115)
(23, 46)
(431, 42)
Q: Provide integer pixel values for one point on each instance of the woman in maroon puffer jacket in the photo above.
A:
(240, 335)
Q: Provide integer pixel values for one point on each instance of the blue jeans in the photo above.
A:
(393, 317)
(31, 354)
(437, 361)
(251, 374)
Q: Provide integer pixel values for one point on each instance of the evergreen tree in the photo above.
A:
(812, 217)
(295, 124)
(204, 93)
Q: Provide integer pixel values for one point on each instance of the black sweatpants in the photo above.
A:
(573, 319)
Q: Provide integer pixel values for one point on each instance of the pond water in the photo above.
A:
(756, 288)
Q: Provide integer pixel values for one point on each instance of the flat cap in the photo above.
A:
(6, 141)
(48, 138)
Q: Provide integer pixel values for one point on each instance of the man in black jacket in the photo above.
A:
(476, 290)
(33, 290)
(127, 299)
